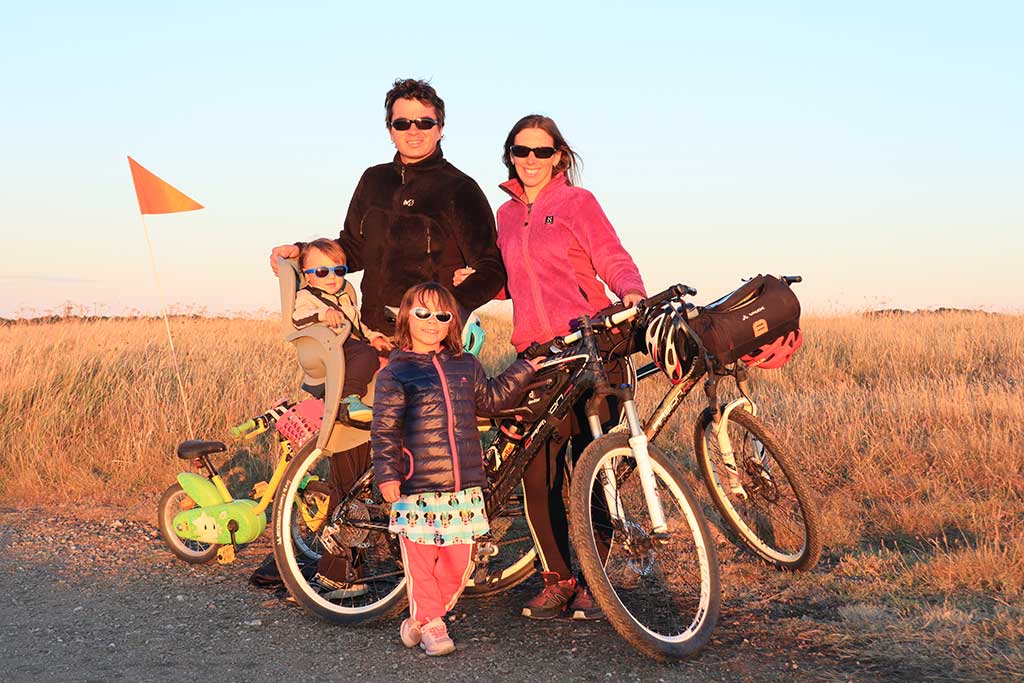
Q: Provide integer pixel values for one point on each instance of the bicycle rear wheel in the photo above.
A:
(358, 526)
(759, 491)
(661, 594)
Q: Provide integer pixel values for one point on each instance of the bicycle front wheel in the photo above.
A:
(758, 490)
(357, 524)
(660, 592)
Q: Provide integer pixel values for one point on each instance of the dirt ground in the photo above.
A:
(96, 597)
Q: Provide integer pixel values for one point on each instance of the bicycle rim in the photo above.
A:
(662, 595)
(379, 589)
(761, 497)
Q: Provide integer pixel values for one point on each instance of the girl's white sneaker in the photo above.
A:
(410, 632)
(434, 638)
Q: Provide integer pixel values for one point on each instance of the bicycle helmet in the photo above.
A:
(776, 353)
(668, 344)
(473, 335)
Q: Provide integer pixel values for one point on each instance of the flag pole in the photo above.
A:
(167, 326)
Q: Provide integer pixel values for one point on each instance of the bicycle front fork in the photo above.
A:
(648, 482)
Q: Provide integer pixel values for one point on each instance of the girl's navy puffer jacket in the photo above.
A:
(425, 405)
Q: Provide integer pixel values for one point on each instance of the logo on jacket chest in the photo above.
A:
(408, 202)
(549, 220)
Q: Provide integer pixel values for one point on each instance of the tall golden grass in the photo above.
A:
(911, 428)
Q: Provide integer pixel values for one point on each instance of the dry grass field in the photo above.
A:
(910, 426)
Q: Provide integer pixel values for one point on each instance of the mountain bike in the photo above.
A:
(640, 537)
(748, 469)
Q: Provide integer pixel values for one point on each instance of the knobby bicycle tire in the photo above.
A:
(662, 595)
(764, 500)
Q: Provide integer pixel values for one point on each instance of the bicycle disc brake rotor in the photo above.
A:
(639, 547)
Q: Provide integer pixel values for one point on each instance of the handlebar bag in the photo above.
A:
(758, 312)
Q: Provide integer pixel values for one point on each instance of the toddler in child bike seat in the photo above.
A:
(327, 298)
(427, 458)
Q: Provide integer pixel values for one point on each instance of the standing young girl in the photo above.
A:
(427, 458)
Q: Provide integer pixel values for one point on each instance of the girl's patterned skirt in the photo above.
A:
(440, 518)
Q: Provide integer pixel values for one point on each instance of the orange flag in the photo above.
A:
(155, 195)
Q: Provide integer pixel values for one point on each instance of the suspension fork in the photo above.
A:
(637, 441)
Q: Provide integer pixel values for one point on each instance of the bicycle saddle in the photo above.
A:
(195, 448)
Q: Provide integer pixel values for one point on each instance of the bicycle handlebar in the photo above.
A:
(244, 428)
(611, 320)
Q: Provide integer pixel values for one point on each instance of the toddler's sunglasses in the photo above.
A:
(423, 314)
(406, 124)
(324, 271)
(522, 151)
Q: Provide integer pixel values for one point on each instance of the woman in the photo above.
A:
(556, 242)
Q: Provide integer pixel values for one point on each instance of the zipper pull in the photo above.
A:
(403, 174)
(428, 239)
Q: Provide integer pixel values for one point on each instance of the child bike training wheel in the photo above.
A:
(758, 490)
(173, 501)
(660, 593)
(355, 526)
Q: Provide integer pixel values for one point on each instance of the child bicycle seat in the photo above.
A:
(322, 360)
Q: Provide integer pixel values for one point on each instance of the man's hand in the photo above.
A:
(334, 318)
(461, 274)
(382, 343)
(284, 251)
(391, 490)
(536, 362)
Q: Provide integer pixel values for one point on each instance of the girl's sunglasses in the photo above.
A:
(324, 271)
(522, 151)
(406, 124)
(423, 314)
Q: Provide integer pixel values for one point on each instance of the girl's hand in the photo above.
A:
(381, 343)
(391, 490)
(461, 274)
(632, 299)
(333, 318)
(536, 362)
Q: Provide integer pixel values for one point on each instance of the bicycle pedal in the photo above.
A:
(226, 554)
(258, 489)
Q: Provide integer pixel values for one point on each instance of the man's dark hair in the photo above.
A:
(412, 89)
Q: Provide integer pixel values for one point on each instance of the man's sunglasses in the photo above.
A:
(324, 271)
(423, 314)
(406, 124)
(522, 151)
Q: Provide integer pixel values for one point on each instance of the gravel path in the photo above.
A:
(100, 599)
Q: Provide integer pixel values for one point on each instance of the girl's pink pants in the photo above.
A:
(436, 576)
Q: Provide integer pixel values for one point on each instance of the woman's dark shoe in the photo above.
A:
(583, 605)
(553, 600)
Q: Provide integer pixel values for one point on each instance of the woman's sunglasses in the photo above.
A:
(406, 124)
(522, 151)
(324, 271)
(423, 314)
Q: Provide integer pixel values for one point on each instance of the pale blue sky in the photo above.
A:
(877, 148)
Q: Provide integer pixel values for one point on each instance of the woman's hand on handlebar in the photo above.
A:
(632, 299)
(536, 362)
(391, 490)
(282, 251)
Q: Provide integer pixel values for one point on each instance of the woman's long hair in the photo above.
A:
(568, 164)
(428, 294)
